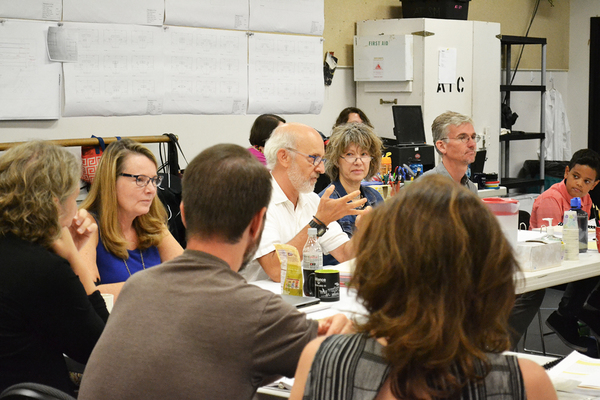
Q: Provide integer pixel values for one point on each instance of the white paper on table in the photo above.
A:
(205, 71)
(577, 367)
(30, 84)
(290, 16)
(61, 46)
(50, 10)
(143, 12)
(447, 66)
(285, 74)
(119, 70)
(230, 14)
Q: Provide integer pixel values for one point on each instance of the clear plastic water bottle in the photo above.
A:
(582, 223)
(312, 259)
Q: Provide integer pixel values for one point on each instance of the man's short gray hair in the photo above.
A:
(439, 127)
(282, 137)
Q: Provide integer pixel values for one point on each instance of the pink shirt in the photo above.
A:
(553, 203)
(258, 154)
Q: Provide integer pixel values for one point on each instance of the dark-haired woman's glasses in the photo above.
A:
(143, 180)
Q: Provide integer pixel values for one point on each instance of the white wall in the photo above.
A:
(196, 132)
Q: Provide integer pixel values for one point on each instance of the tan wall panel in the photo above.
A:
(513, 15)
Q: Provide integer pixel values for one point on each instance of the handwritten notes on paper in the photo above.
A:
(30, 85)
(286, 74)
(119, 70)
(143, 12)
(205, 71)
(230, 14)
(50, 10)
(288, 16)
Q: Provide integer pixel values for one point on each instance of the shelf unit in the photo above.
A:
(506, 43)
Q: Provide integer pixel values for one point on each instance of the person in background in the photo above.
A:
(132, 232)
(437, 308)
(193, 328)
(347, 115)
(353, 154)
(456, 142)
(581, 176)
(49, 305)
(260, 132)
(352, 114)
(295, 154)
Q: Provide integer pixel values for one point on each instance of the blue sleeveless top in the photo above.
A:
(112, 269)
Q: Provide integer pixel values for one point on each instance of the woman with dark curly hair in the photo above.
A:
(436, 276)
(49, 305)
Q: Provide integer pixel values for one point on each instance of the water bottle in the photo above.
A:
(582, 223)
(570, 236)
(312, 259)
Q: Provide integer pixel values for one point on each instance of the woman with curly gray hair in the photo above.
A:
(353, 154)
(49, 305)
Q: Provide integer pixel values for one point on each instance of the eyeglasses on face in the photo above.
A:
(314, 160)
(354, 158)
(465, 138)
(143, 180)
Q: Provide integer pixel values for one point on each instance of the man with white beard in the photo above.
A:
(294, 152)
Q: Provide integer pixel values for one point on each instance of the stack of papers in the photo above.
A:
(577, 373)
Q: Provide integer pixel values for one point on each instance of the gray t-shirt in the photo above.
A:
(441, 169)
(191, 328)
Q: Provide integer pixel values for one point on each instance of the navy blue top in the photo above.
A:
(347, 222)
(112, 269)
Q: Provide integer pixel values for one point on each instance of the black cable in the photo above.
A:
(535, 10)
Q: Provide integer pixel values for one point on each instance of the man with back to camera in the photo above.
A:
(295, 152)
(455, 141)
(193, 327)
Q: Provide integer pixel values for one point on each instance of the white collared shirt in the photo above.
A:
(284, 222)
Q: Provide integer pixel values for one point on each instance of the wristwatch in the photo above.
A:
(321, 228)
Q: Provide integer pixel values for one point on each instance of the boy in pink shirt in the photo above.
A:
(581, 176)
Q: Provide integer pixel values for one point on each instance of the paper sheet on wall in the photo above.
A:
(143, 12)
(230, 14)
(50, 10)
(290, 16)
(61, 46)
(447, 66)
(30, 84)
(119, 70)
(205, 71)
(285, 74)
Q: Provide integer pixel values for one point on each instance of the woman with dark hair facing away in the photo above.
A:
(132, 231)
(353, 154)
(438, 293)
(49, 305)
(260, 132)
(352, 114)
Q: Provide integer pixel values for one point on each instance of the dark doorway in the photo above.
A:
(594, 97)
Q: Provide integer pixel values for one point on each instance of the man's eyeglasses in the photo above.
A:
(314, 160)
(353, 159)
(143, 180)
(465, 138)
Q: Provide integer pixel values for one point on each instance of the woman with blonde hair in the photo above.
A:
(438, 292)
(132, 232)
(49, 305)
